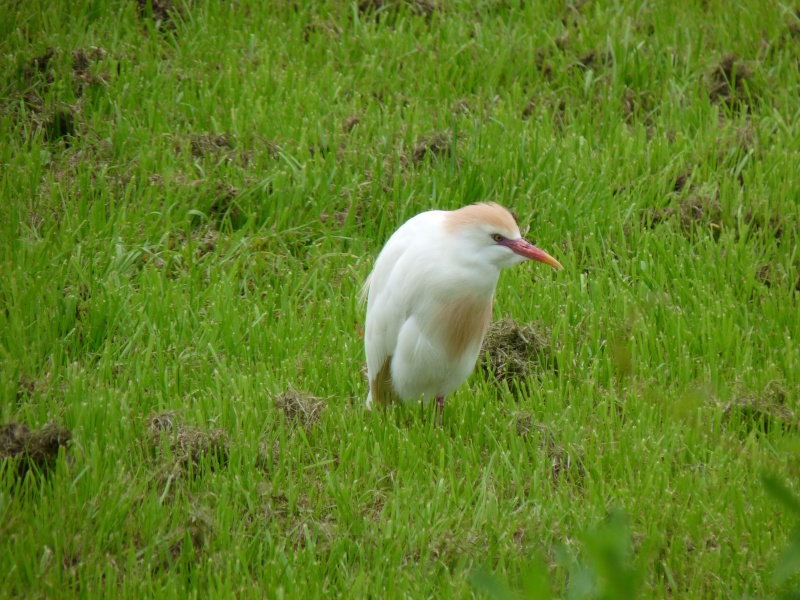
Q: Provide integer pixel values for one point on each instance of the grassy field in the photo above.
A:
(192, 196)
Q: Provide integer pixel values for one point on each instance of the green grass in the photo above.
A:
(149, 265)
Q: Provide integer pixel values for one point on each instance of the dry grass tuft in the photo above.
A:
(187, 445)
(513, 351)
(300, 407)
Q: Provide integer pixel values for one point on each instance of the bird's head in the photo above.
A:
(489, 233)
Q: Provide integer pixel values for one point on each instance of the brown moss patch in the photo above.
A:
(32, 448)
(512, 351)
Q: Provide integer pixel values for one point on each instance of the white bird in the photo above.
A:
(430, 299)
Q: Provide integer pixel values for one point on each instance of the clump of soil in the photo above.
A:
(437, 145)
(511, 351)
(562, 460)
(300, 407)
(695, 212)
(766, 411)
(33, 448)
(730, 82)
(187, 445)
(208, 143)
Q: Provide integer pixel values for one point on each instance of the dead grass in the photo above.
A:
(300, 408)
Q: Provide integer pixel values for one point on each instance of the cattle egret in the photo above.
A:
(430, 299)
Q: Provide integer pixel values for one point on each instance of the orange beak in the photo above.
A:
(531, 252)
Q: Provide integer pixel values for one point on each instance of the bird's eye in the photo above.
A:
(497, 237)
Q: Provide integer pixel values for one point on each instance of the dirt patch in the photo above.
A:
(207, 243)
(437, 145)
(82, 76)
(731, 82)
(770, 410)
(224, 205)
(28, 387)
(550, 103)
(794, 24)
(188, 541)
(563, 461)
(573, 12)
(60, 124)
(187, 445)
(594, 59)
(162, 12)
(350, 122)
(638, 106)
(337, 218)
(207, 143)
(681, 180)
(379, 8)
(39, 65)
(695, 213)
(300, 408)
(461, 108)
(512, 351)
(770, 227)
(36, 449)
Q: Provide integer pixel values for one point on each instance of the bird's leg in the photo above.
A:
(440, 408)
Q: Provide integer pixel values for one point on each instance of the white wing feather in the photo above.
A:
(391, 288)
